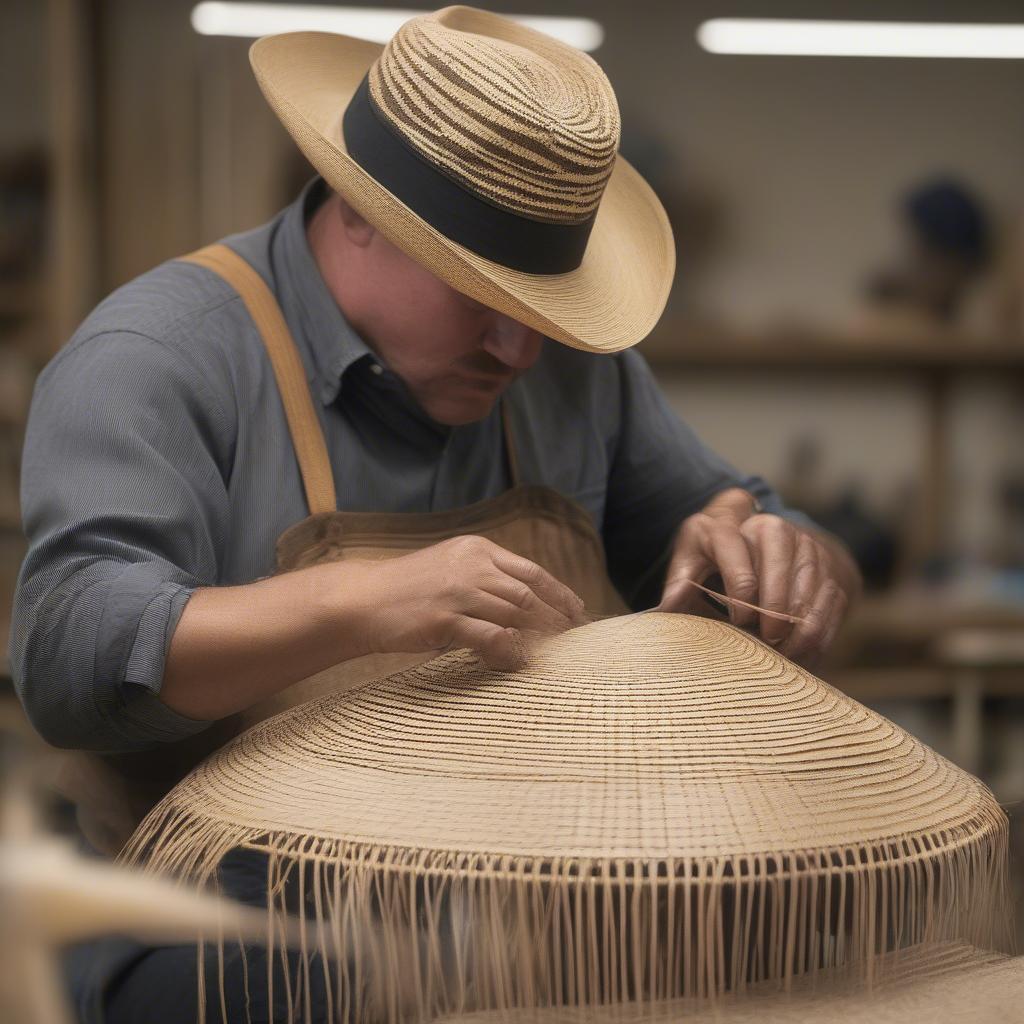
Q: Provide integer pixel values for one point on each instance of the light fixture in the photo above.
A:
(796, 38)
(378, 24)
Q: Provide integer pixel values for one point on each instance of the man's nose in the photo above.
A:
(513, 343)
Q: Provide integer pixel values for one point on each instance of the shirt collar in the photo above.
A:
(331, 341)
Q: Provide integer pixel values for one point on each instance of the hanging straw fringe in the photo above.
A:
(411, 934)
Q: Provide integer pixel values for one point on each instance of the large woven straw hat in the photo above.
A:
(487, 151)
(658, 806)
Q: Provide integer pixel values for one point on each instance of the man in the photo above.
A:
(445, 284)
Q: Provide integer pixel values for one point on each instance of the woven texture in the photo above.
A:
(533, 129)
(641, 736)
(658, 806)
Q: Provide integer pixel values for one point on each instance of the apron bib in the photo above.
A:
(114, 792)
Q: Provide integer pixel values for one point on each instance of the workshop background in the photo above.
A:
(847, 319)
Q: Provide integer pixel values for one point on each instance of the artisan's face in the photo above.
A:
(455, 355)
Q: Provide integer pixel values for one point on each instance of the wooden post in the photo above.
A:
(72, 221)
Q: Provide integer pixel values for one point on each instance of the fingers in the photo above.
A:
(706, 544)
(810, 638)
(511, 603)
(732, 557)
(502, 648)
(540, 586)
(767, 561)
(774, 545)
(678, 595)
(806, 578)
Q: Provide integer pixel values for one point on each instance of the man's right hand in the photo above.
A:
(236, 646)
(463, 592)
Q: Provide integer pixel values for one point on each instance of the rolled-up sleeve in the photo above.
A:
(125, 506)
(661, 473)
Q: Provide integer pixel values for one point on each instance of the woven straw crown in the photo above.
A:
(533, 130)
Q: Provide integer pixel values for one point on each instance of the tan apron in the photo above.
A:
(114, 792)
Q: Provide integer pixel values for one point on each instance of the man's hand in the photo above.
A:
(764, 559)
(236, 646)
(463, 592)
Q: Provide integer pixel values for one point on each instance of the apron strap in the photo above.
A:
(306, 432)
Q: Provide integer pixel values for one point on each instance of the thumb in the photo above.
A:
(678, 595)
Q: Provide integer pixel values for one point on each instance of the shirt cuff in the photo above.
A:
(142, 715)
(148, 655)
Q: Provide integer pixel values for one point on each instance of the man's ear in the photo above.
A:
(357, 231)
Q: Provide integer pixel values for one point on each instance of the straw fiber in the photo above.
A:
(531, 129)
(656, 807)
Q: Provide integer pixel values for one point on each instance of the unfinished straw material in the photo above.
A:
(658, 806)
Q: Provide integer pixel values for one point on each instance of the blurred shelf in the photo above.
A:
(917, 615)
(926, 682)
(805, 350)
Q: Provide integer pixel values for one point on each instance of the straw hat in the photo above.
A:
(487, 152)
(656, 806)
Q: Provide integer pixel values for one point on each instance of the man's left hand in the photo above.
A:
(765, 560)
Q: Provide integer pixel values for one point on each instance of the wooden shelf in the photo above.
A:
(871, 685)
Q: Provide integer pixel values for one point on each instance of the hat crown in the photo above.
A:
(517, 118)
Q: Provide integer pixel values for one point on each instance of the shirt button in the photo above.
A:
(376, 368)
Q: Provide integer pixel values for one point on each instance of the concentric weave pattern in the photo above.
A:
(533, 130)
(649, 735)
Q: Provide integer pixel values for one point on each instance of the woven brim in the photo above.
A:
(612, 301)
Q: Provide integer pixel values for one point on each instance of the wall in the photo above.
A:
(791, 166)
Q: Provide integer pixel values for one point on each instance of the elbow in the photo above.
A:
(69, 714)
(56, 729)
(54, 716)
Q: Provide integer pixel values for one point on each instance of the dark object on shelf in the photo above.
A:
(949, 220)
(948, 245)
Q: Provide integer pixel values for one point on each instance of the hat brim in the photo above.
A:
(610, 302)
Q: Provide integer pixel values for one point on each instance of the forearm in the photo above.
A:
(235, 646)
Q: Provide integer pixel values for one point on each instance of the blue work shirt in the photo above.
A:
(158, 460)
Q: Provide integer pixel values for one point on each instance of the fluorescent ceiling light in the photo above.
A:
(378, 24)
(790, 37)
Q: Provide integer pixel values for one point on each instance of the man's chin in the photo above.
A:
(462, 411)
